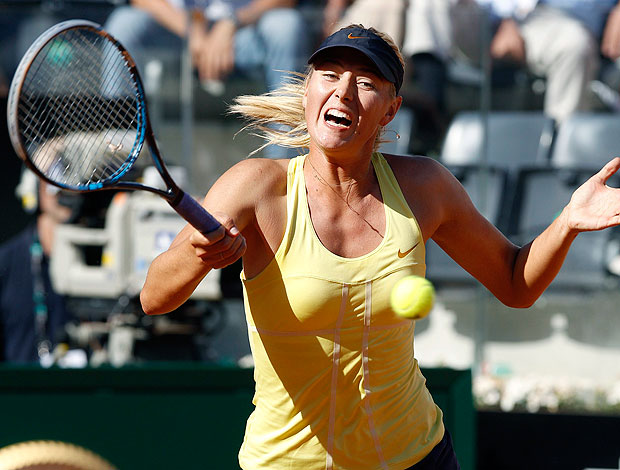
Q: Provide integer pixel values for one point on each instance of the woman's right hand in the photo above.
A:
(221, 247)
(249, 186)
(174, 274)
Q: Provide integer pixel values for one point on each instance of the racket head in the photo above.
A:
(76, 111)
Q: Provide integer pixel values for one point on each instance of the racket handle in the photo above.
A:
(195, 214)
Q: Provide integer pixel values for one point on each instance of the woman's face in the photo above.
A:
(346, 101)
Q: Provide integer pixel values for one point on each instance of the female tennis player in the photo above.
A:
(324, 237)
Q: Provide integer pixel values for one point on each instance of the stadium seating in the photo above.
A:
(583, 144)
(485, 152)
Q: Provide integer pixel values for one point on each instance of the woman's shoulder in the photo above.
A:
(262, 164)
(418, 175)
(258, 172)
(409, 159)
(415, 166)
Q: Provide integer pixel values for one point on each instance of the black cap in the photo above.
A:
(372, 46)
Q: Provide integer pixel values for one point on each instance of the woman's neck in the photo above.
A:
(341, 170)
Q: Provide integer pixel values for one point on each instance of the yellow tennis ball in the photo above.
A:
(413, 297)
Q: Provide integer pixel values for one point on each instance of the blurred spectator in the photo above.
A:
(225, 36)
(32, 315)
(556, 39)
(386, 16)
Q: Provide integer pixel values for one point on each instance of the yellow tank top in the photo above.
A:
(337, 384)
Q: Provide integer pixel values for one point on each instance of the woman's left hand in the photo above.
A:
(594, 205)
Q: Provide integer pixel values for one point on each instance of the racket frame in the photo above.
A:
(183, 203)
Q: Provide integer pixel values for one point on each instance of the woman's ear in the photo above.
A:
(391, 111)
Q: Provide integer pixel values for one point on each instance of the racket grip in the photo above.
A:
(195, 214)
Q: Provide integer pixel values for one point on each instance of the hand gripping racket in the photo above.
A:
(77, 116)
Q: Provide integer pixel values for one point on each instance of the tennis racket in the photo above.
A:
(77, 116)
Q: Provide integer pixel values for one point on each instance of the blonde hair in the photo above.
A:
(278, 116)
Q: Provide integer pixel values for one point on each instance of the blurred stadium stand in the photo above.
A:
(584, 143)
(486, 151)
(517, 167)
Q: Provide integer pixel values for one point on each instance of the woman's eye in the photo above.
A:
(366, 84)
(330, 75)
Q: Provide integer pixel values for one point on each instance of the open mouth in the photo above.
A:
(338, 118)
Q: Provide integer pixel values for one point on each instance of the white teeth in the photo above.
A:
(338, 114)
(338, 118)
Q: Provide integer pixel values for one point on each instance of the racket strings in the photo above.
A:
(42, 76)
(79, 110)
(73, 117)
(109, 109)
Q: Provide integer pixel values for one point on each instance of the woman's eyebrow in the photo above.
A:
(327, 62)
(370, 70)
(361, 68)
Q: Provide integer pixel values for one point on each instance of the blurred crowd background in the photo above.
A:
(518, 98)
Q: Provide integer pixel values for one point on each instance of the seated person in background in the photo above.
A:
(386, 16)
(561, 40)
(32, 315)
(225, 36)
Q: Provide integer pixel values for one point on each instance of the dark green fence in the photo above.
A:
(169, 416)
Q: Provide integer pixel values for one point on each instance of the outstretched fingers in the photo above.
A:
(610, 169)
(610, 206)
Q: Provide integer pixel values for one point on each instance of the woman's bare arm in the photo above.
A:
(517, 276)
(233, 200)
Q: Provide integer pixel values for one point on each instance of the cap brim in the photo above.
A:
(383, 69)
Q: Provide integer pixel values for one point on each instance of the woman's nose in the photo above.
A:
(345, 88)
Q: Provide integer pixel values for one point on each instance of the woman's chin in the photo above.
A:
(332, 141)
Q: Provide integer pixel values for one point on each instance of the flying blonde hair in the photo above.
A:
(278, 117)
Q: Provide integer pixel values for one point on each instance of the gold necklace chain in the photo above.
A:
(323, 181)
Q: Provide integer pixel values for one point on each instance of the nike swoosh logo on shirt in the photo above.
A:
(402, 254)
